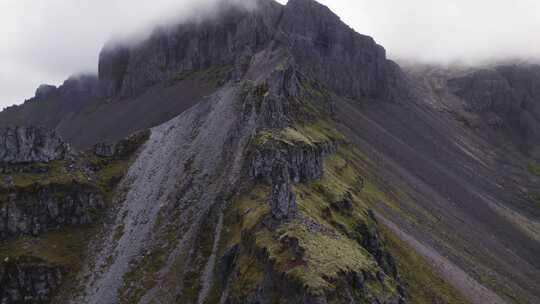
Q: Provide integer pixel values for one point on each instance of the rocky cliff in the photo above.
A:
(326, 48)
(37, 209)
(509, 92)
(28, 144)
(28, 280)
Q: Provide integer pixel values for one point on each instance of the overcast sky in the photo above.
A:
(45, 41)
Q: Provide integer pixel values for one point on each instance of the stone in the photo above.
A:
(45, 91)
(31, 144)
(47, 208)
(321, 44)
(282, 198)
(28, 280)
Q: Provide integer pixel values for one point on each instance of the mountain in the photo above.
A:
(280, 158)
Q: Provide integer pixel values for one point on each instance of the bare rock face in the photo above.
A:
(510, 92)
(28, 280)
(322, 45)
(122, 147)
(45, 91)
(224, 40)
(334, 54)
(302, 163)
(29, 144)
(34, 211)
(485, 90)
(282, 198)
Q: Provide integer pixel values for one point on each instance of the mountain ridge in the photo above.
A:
(292, 161)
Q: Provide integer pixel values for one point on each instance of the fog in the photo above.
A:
(45, 41)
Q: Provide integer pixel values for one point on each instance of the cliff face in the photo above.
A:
(22, 144)
(30, 211)
(28, 280)
(227, 39)
(238, 218)
(334, 54)
(148, 83)
(327, 49)
(509, 92)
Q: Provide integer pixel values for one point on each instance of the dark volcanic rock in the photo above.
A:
(122, 148)
(28, 144)
(282, 198)
(33, 211)
(28, 280)
(322, 45)
(511, 92)
(485, 90)
(45, 91)
(304, 163)
(224, 40)
(334, 54)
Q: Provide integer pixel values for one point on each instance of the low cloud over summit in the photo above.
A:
(46, 41)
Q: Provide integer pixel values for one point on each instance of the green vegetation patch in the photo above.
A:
(332, 208)
(423, 284)
(65, 248)
(301, 134)
(244, 214)
(326, 256)
(248, 277)
(44, 174)
(214, 75)
(534, 168)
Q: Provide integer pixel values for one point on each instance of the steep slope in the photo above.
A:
(143, 85)
(304, 167)
(51, 200)
(470, 197)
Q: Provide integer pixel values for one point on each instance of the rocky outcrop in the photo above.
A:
(334, 54)
(510, 92)
(29, 144)
(485, 90)
(322, 45)
(282, 199)
(45, 91)
(372, 242)
(28, 280)
(122, 148)
(43, 208)
(281, 165)
(304, 163)
(230, 38)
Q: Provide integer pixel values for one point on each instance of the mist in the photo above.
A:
(47, 41)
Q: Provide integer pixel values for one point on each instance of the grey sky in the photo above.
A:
(45, 41)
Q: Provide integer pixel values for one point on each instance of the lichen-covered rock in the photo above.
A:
(32, 211)
(122, 148)
(28, 280)
(303, 163)
(283, 165)
(282, 199)
(30, 144)
(373, 243)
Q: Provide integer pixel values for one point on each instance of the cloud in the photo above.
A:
(465, 31)
(45, 41)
